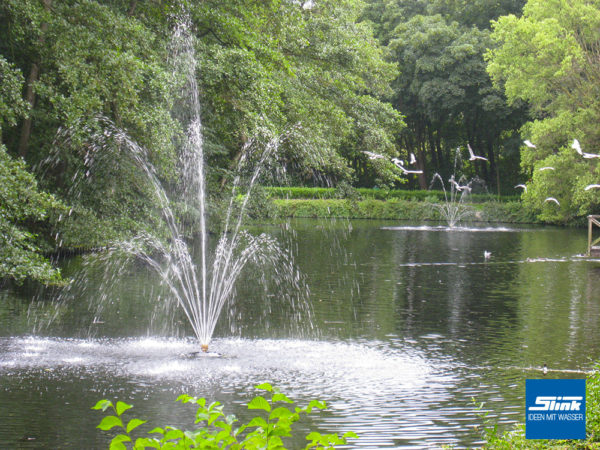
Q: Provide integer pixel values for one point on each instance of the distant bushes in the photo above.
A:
(395, 209)
(377, 194)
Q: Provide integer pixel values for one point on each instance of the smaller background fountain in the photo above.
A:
(456, 194)
(454, 209)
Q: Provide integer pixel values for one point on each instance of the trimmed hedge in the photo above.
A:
(377, 194)
(395, 209)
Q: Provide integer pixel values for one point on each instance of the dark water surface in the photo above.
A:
(410, 324)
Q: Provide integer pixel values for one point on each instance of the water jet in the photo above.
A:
(199, 276)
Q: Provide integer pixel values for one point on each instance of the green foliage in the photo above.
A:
(273, 64)
(443, 88)
(220, 431)
(12, 106)
(397, 209)
(378, 194)
(515, 438)
(266, 65)
(259, 205)
(22, 205)
(23, 208)
(548, 57)
(345, 190)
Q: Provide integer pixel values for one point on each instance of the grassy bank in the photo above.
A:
(397, 209)
(515, 438)
(377, 194)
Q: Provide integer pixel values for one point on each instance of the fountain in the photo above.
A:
(453, 210)
(201, 286)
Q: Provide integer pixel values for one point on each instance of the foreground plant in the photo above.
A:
(220, 431)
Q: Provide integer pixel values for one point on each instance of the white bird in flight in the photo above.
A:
(486, 254)
(546, 168)
(552, 199)
(473, 156)
(372, 155)
(400, 164)
(577, 148)
(592, 186)
(412, 158)
(459, 187)
(522, 186)
(528, 143)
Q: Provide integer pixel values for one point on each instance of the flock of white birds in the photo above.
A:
(473, 157)
(575, 146)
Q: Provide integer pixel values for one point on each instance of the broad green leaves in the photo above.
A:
(217, 430)
(259, 403)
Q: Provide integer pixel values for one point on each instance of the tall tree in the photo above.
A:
(443, 88)
(277, 64)
(550, 58)
(22, 205)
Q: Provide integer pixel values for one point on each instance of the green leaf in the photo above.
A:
(213, 405)
(110, 422)
(173, 434)
(313, 436)
(103, 405)
(146, 442)
(157, 430)
(120, 438)
(117, 442)
(281, 431)
(201, 416)
(259, 403)
(265, 387)
(315, 404)
(214, 416)
(117, 446)
(258, 422)
(134, 423)
(275, 442)
(122, 407)
(350, 434)
(184, 398)
(281, 398)
(280, 412)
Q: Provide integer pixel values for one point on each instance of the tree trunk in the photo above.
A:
(30, 99)
(494, 172)
(132, 6)
(421, 167)
(34, 75)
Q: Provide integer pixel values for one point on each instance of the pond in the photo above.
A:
(411, 329)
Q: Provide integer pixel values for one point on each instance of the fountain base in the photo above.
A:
(202, 354)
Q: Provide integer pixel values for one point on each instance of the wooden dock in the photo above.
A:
(593, 245)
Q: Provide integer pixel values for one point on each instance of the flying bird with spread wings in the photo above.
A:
(473, 156)
(400, 165)
(577, 148)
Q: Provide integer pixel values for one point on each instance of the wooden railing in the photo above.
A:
(593, 245)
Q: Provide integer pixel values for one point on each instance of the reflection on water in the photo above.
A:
(409, 327)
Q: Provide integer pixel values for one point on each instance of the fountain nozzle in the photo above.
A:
(204, 348)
